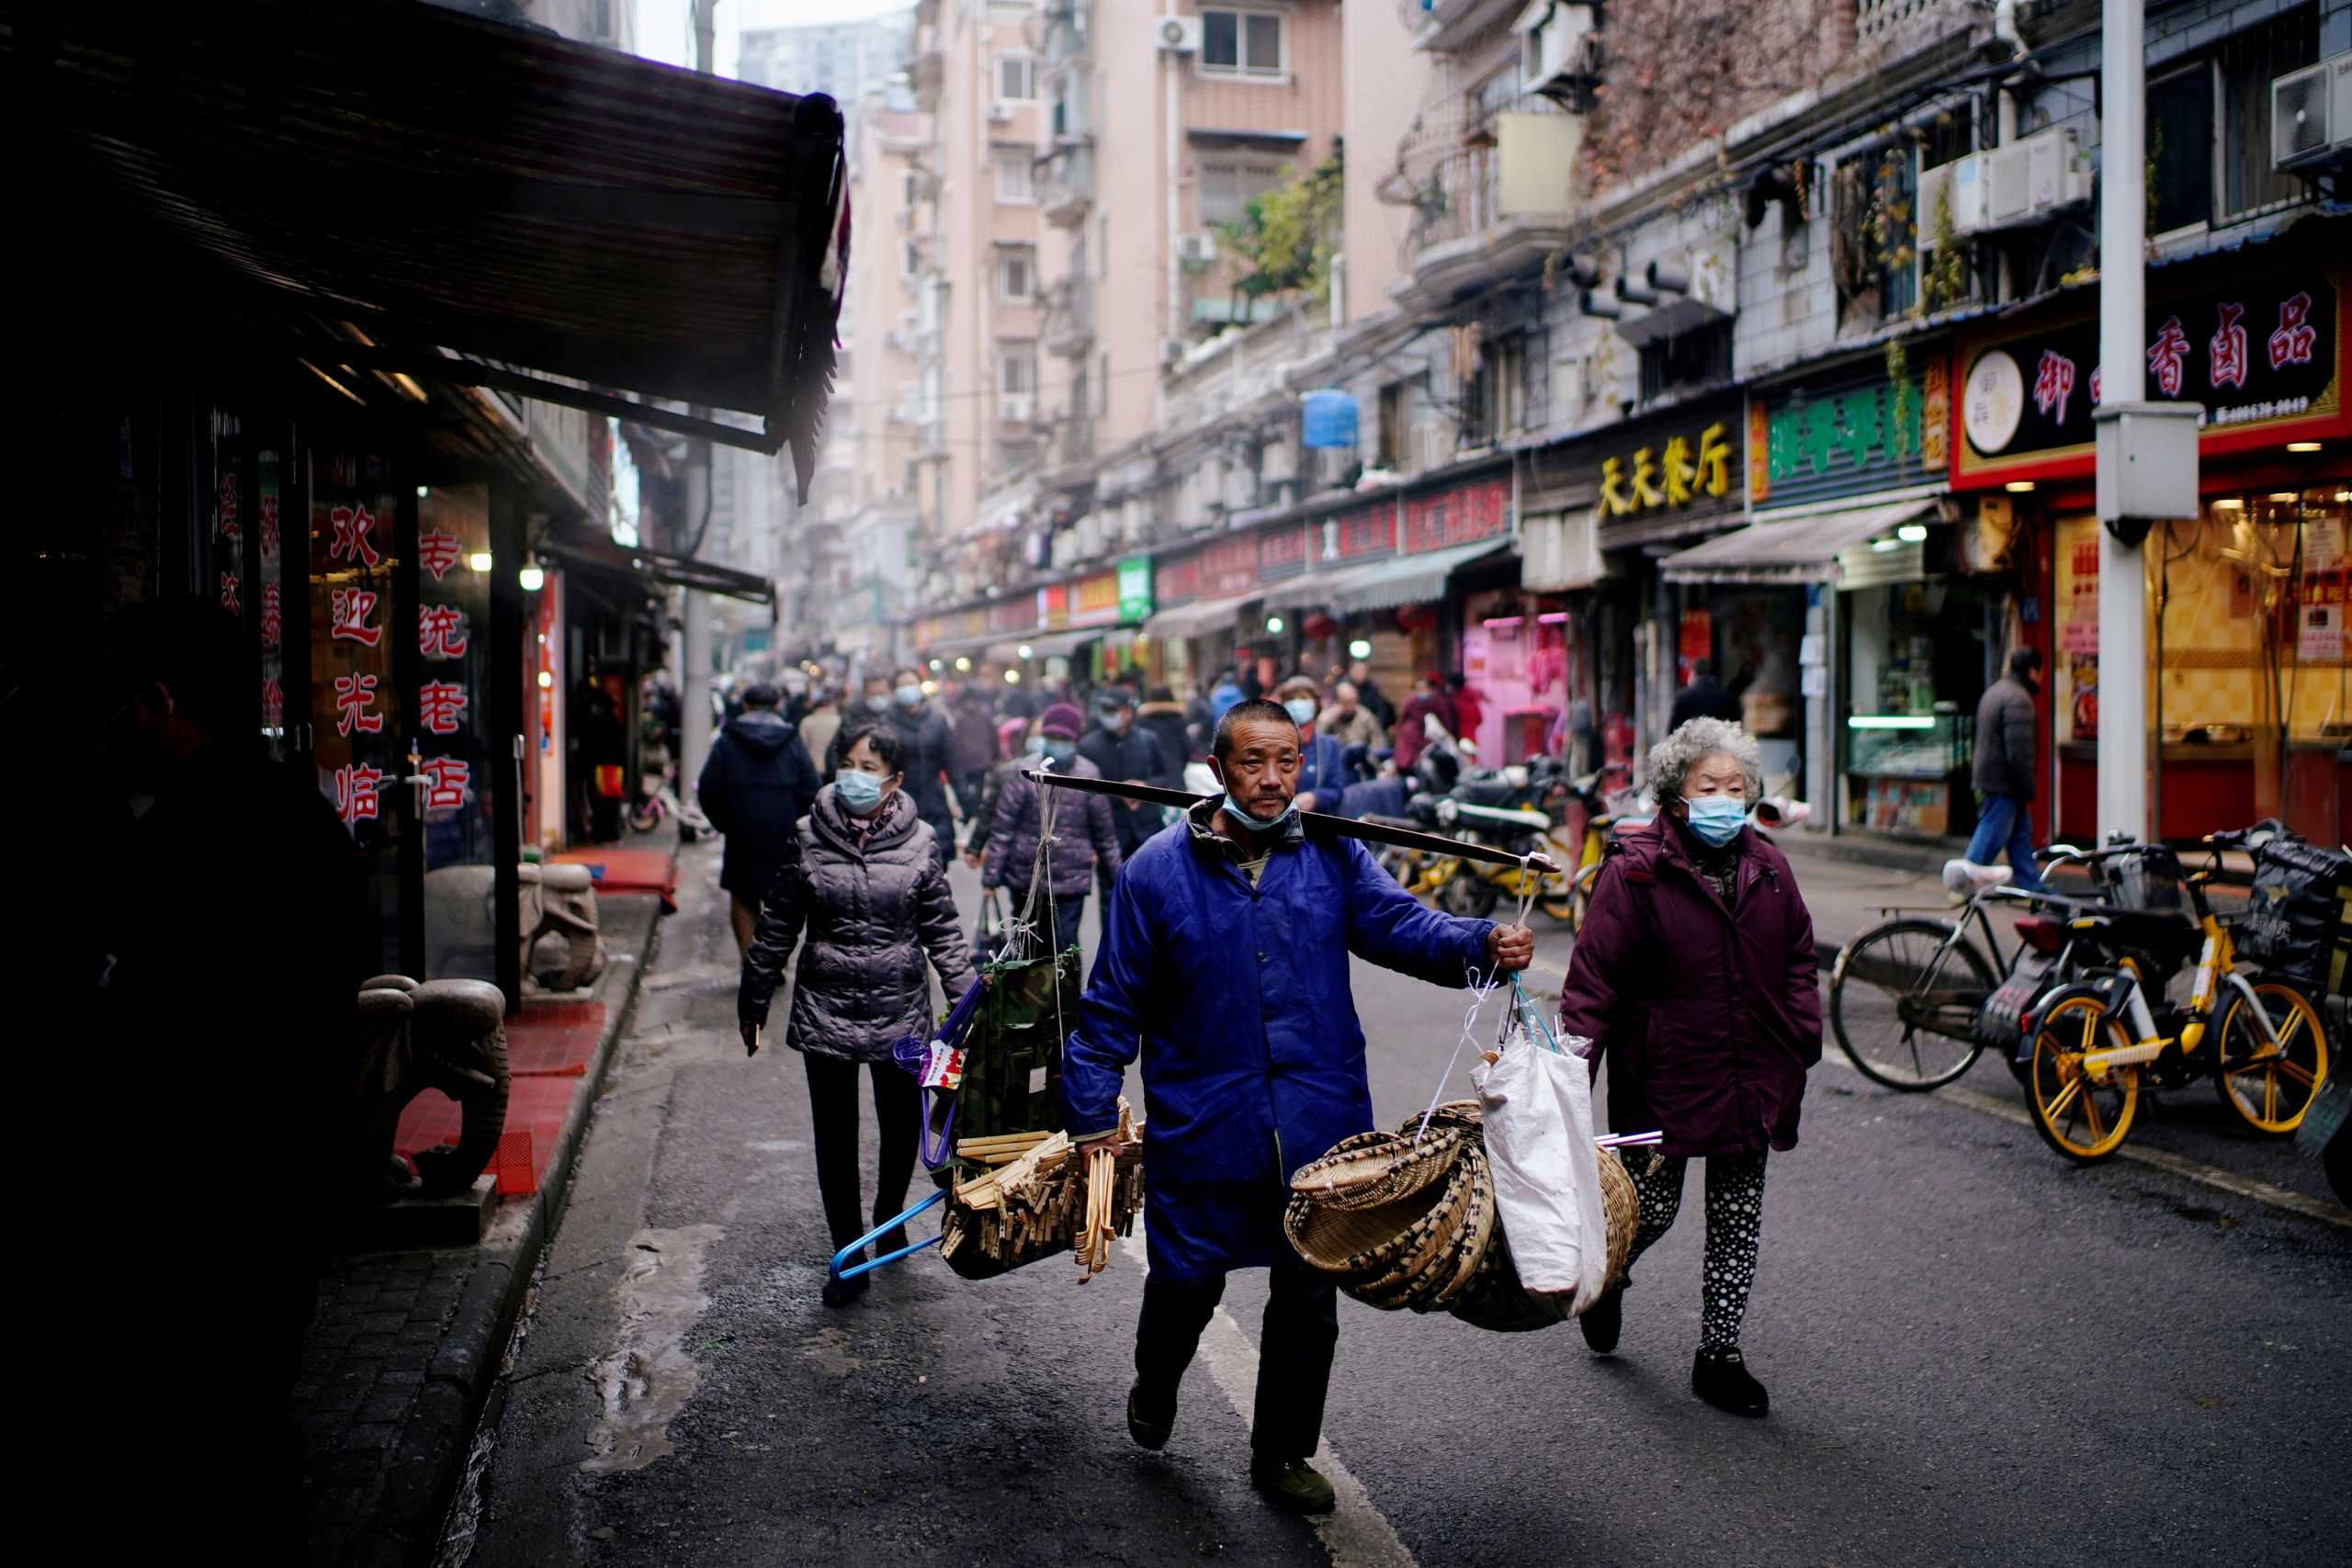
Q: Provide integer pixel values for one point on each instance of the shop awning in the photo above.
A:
(1409, 579)
(408, 190)
(655, 566)
(1061, 644)
(1315, 586)
(1201, 615)
(1799, 549)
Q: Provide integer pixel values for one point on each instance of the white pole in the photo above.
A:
(2123, 753)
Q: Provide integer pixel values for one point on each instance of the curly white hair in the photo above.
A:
(1672, 758)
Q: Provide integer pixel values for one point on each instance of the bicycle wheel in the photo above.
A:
(1467, 894)
(1904, 999)
(2271, 1089)
(2082, 1120)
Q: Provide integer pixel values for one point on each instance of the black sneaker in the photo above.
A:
(840, 1292)
(1292, 1486)
(1149, 1420)
(1720, 1377)
(1603, 1321)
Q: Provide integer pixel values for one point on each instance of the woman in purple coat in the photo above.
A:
(1694, 979)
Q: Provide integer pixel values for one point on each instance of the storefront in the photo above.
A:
(1843, 617)
(2249, 688)
(1198, 596)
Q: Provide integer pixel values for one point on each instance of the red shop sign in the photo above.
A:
(1230, 567)
(1282, 552)
(1176, 581)
(1463, 516)
(1367, 534)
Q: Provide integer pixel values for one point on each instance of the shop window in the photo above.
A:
(2180, 150)
(2248, 64)
(1687, 361)
(1241, 44)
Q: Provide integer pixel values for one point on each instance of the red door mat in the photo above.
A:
(547, 1051)
(630, 871)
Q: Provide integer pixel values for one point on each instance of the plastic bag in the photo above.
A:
(1537, 1108)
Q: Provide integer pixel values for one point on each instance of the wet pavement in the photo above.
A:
(1976, 1353)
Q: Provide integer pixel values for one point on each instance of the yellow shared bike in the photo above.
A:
(2097, 1044)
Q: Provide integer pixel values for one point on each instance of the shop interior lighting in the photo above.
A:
(963, 666)
(2018, 487)
(1012, 677)
(1274, 625)
(1505, 621)
(547, 679)
(479, 560)
(936, 666)
(1360, 648)
(2343, 495)
(930, 688)
(408, 387)
(1889, 542)
(2303, 446)
(1912, 533)
(424, 491)
(1023, 652)
(1892, 721)
(2229, 504)
(1553, 619)
(2285, 495)
(332, 382)
(533, 577)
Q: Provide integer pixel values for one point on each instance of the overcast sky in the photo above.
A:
(665, 31)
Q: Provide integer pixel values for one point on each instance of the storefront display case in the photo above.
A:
(1907, 772)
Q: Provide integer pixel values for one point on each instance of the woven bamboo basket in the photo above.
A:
(1457, 1223)
(1372, 1170)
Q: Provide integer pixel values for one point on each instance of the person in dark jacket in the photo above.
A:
(2005, 770)
(1693, 977)
(1429, 701)
(971, 715)
(1086, 842)
(1369, 693)
(928, 741)
(869, 889)
(1119, 750)
(1225, 965)
(1164, 718)
(755, 788)
(1704, 697)
(1012, 750)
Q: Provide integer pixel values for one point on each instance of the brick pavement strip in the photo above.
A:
(403, 1345)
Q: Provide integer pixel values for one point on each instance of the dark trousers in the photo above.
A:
(832, 1112)
(1302, 1329)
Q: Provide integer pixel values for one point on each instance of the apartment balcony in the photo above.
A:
(1494, 205)
(1069, 30)
(1066, 194)
(928, 69)
(1068, 328)
(1902, 27)
(1073, 443)
(1447, 26)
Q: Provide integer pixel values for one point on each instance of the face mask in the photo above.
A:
(1301, 710)
(1716, 818)
(1117, 723)
(878, 703)
(1250, 824)
(907, 696)
(859, 793)
(1060, 751)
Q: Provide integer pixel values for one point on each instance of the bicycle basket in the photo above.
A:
(2298, 920)
(2149, 881)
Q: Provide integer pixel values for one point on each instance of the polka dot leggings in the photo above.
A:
(1734, 1220)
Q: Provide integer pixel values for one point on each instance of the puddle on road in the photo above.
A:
(830, 1348)
(648, 1379)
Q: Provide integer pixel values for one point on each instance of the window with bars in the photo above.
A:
(1227, 189)
(1687, 361)
(2246, 64)
(1241, 44)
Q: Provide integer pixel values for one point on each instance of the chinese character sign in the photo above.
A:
(441, 706)
(441, 631)
(1679, 469)
(1820, 442)
(453, 689)
(342, 553)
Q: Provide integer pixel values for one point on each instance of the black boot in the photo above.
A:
(1150, 1418)
(1605, 1320)
(1720, 1377)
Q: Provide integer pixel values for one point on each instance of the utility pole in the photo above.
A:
(2146, 452)
(694, 677)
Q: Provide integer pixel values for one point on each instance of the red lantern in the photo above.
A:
(1320, 626)
(1417, 618)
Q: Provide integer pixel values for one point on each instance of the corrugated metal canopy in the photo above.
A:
(1796, 550)
(447, 183)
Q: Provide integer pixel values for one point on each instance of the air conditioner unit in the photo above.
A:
(1431, 445)
(2311, 114)
(2030, 179)
(1563, 50)
(1196, 250)
(1000, 112)
(1177, 35)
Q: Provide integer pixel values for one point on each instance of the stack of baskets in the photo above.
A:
(1404, 1221)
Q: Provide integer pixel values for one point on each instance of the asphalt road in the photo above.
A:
(1976, 1353)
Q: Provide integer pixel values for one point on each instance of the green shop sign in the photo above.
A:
(1135, 589)
(1849, 438)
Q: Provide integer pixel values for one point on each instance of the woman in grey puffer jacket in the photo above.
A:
(868, 888)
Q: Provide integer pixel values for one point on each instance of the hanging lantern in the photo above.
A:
(1319, 626)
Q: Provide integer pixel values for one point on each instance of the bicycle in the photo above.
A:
(1936, 979)
(2093, 1043)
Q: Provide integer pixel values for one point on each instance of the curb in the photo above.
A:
(432, 1458)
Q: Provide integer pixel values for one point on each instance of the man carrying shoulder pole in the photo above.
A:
(1223, 966)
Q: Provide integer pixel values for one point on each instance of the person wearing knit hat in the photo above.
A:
(1086, 839)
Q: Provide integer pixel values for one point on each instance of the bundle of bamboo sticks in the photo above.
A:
(1027, 1200)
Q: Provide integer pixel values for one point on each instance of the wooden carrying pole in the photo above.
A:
(1316, 821)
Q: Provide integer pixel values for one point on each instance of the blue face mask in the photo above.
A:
(1115, 722)
(1060, 751)
(859, 793)
(878, 702)
(907, 696)
(1250, 824)
(1716, 818)
(1301, 710)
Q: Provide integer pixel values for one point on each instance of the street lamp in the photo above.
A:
(1274, 625)
(533, 577)
(1360, 649)
(1023, 652)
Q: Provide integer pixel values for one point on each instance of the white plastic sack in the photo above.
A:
(1538, 1116)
